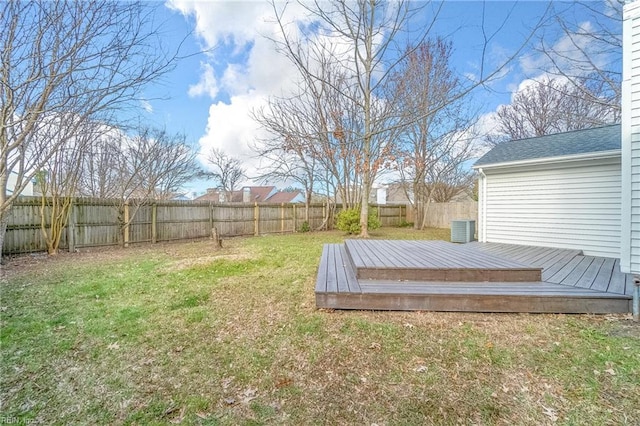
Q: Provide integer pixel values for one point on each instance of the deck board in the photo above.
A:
(618, 279)
(602, 280)
(590, 274)
(576, 274)
(322, 280)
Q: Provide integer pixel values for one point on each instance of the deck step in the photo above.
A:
(433, 261)
(448, 301)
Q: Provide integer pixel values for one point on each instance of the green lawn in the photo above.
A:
(181, 333)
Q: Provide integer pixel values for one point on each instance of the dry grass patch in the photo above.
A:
(178, 333)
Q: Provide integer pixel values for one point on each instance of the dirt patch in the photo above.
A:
(182, 264)
(186, 253)
(625, 327)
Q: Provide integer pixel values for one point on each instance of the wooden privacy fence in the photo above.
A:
(440, 215)
(96, 222)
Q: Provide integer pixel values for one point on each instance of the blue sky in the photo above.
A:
(210, 94)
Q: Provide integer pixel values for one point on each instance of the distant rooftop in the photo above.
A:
(606, 138)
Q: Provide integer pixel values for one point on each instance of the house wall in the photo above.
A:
(630, 256)
(11, 184)
(568, 205)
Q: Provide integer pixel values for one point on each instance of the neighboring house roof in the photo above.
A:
(253, 194)
(599, 139)
(213, 196)
(260, 194)
(286, 197)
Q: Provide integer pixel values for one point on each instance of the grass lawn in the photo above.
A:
(181, 333)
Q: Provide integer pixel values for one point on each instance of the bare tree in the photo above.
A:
(102, 168)
(363, 38)
(583, 46)
(551, 106)
(436, 133)
(285, 151)
(133, 170)
(86, 59)
(58, 180)
(317, 128)
(369, 28)
(227, 171)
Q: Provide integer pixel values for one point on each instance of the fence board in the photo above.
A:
(440, 215)
(96, 222)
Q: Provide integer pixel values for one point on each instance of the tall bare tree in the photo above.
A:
(318, 127)
(551, 106)
(363, 38)
(286, 149)
(227, 171)
(88, 59)
(436, 136)
(369, 28)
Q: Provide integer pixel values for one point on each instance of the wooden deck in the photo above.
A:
(425, 275)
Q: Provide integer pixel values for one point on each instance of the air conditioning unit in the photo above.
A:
(463, 231)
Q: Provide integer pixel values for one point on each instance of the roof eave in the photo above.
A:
(599, 155)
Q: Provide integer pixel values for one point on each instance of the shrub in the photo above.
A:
(305, 227)
(404, 224)
(349, 221)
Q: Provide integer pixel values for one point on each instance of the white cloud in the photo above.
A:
(238, 29)
(208, 84)
(147, 106)
(576, 54)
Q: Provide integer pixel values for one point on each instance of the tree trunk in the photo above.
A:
(217, 242)
(425, 210)
(4, 220)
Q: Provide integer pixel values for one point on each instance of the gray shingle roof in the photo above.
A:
(604, 138)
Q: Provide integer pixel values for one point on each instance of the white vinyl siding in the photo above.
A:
(576, 205)
(631, 130)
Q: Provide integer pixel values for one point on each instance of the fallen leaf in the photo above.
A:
(229, 401)
(551, 413)
(610, 371)
(375, 345)
(226, 382)
(179, 417)
(249, 395)
(420, 369)
(283, 382)
(113, 346)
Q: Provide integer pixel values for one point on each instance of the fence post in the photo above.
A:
(324, 213)
(256, 219)
(210, 215)
(295, 219)
(126, 224)
(282, 217)
(154, 223)
(71, 227)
